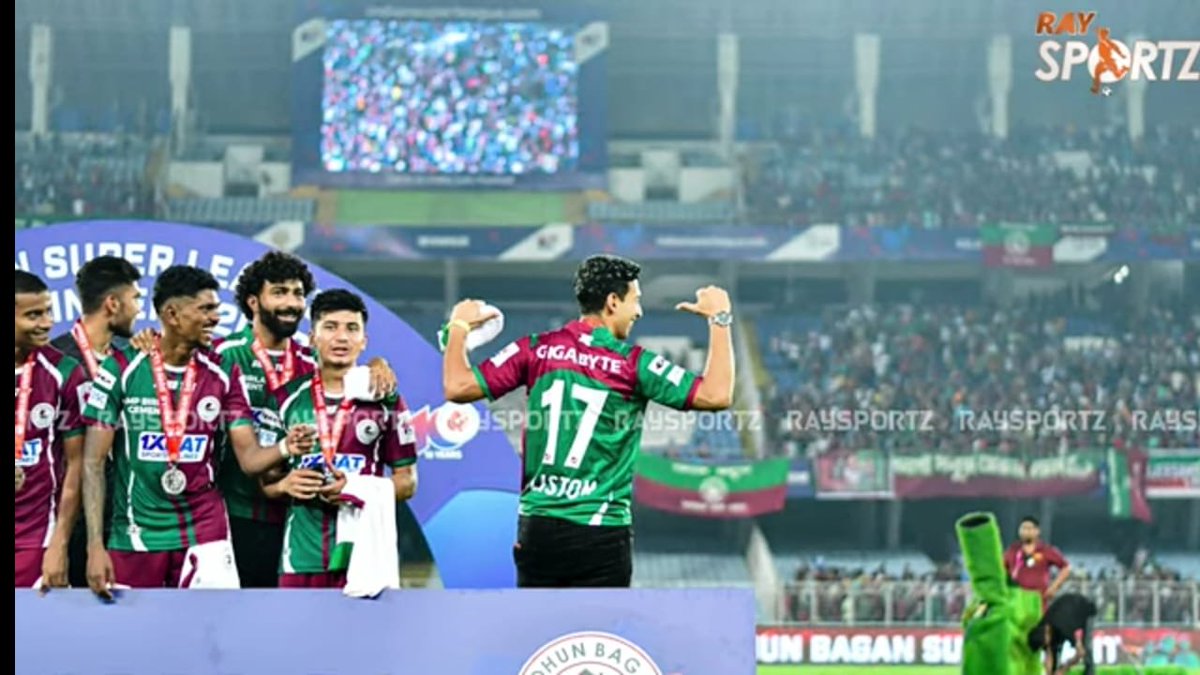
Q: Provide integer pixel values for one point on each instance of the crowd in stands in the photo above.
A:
(1130, 381)
(940, 178)
(433, 98)
(95, 176)
(824, 594)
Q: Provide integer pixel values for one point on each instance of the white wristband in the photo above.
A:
(283, 449)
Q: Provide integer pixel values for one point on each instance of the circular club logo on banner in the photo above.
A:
(590, 653)
(467, 509)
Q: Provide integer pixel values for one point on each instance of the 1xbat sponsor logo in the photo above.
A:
(152, 447)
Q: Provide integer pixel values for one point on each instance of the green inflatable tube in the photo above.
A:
(997, 621)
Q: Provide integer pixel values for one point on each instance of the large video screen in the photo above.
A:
(453, 103)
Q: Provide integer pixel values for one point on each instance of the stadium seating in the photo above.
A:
(240, 210)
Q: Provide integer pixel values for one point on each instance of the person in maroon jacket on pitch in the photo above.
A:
(1029, 559)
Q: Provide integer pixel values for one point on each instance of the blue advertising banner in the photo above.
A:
(800, 484)
(815, 244)
(467, 500)
(625, 632)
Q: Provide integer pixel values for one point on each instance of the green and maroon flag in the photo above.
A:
(711, 490)
(1018, 244)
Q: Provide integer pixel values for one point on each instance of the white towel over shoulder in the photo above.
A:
(367, 518)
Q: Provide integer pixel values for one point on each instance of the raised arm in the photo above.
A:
(459, 383)
(715, 391)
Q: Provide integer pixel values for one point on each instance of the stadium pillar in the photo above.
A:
(1047, 517)
(866, 77)
(1193, 534)
(1000, 82)
(41, 56)
(895, 512)
(860, 284)
(450, 283)
(728, 65)
(180, 76)
(1135, 101)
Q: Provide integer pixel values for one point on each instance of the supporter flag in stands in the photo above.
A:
(1018, 244)
(1127, 485)
(711, 490)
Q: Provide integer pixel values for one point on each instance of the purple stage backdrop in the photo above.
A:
(467, 500)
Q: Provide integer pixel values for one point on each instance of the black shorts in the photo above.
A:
(256, 550)
(556, 553)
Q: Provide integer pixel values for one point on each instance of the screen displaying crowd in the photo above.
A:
(448, 98)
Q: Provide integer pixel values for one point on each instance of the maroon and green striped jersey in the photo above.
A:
(376, 434)
(144, 517)
(243, 496)
(588, 393)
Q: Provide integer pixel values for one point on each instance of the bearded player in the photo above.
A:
(170, 527)
(272, 293)
(49, 441)
(355, 437)
(111, 301)
(591, 388)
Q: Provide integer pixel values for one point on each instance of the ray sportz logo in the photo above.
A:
(442, 432)
(1106, 59)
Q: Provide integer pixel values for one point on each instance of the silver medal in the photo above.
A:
(173, 481)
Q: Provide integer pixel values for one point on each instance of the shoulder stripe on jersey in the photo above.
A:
(41, 357)
(306, 357)
(202, 358)
(132, 366)
(229, 343)
(288, 402)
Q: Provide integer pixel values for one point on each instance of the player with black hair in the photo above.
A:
(1067, 620)
(358, 438)
(1029, 559)
(111, 300)
(590, 388)
(272, 293)
(170, 527)
(49, 441)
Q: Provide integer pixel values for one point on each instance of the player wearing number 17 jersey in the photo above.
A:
(588, 390)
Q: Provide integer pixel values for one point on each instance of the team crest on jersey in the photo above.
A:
(152, 447)
(42, 415)
(97, 398)
(366, 431)
(352, 464)
(404, 428)
(31, 452)
(208, 408)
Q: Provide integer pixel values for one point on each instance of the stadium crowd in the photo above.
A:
(965, 363)
(506, 105)
(98, 176)
(826, 594)
(940, 178)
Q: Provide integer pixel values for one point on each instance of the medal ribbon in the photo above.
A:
(275, 380)
(23, 393)
(174, 424)
(329, 437)
(85, 347)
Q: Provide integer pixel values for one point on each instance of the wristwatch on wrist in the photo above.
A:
(723, 319)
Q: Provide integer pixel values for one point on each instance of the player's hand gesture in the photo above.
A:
(301, 439)
(332, 493)
(302, 484)
(710, 301)
(54, 567)
(100, 574)
(383, 378)
(145, 340)
(471, 311)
